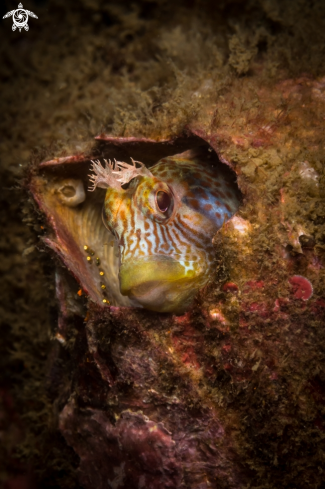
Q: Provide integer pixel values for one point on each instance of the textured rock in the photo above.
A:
(234, 387)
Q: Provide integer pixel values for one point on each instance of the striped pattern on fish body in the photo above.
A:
(164, 223)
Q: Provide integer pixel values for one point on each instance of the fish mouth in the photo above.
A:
(160, 283)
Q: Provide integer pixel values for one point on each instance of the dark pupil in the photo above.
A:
(163, 201)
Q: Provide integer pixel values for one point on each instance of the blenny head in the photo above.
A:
(163, 221)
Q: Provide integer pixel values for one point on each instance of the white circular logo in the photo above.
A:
(20, 18)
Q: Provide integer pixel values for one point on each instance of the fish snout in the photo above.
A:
(160, 283)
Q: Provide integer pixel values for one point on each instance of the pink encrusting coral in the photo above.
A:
(302, 288)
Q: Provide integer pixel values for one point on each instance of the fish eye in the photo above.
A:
(163, 201)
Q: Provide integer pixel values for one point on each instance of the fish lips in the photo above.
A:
(159, 283)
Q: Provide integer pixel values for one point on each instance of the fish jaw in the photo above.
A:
(161, 283)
